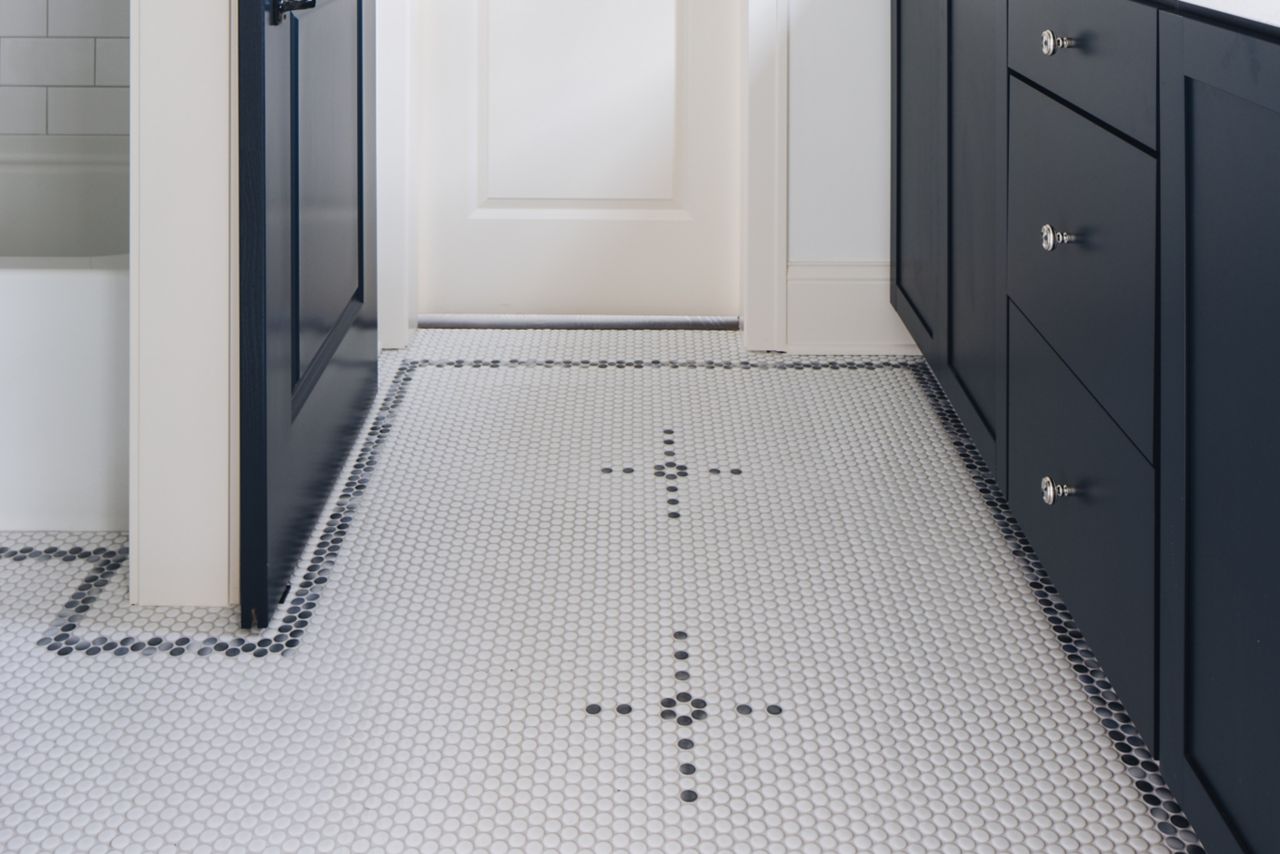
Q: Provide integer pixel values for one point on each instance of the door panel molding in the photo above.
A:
(632, 144)
(628, 207)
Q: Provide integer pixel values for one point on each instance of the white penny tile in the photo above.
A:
(593, 591)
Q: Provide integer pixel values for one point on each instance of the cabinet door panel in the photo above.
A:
(922, 137)
(1098, 545)
(1220, 116)
(979, 92)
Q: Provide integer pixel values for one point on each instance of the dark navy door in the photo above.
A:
(308, 319)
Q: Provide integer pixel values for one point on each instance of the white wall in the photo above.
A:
(64, 67)
(839, 102)
(182, 300)
(67, 364)
(840, 110)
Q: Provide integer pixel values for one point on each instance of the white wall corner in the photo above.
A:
(842, 308)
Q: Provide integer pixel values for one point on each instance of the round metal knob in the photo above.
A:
(1050, 239)
(1050, 43)
(1053, 492)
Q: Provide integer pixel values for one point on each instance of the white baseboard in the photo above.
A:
(843, 309)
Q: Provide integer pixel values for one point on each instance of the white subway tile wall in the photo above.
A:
(22, 110)
(89, 18)
(23, 18)
(64, 67)
(112, 62)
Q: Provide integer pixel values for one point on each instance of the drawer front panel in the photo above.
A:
(1109, 71)
(1098, 545)
(1095, 298)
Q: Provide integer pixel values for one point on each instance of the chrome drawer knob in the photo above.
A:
(1051, 240)
(1051, 43)
(1053, 492)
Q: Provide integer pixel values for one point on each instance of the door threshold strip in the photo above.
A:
(579, 321)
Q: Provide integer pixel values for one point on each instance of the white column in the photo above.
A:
(183, 306)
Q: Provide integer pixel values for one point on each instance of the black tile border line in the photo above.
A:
(1141, 766)
(62, 637)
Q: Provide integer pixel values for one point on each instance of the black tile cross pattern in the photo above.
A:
(684, 710)
(671, 472)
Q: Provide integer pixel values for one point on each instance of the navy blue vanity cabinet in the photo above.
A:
(1220, 418)
(950, 111)
(1087, 249)
(1082, 289)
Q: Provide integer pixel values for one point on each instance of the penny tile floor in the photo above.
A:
(602, 591)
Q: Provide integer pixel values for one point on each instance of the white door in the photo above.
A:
(581, 156)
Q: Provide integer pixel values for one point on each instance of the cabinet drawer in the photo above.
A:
(1109, 71)
(1095, 298)
(1098, 544)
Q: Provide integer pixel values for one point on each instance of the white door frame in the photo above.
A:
(397, 187)
(184, 305)
(764, 215)
(765, 174)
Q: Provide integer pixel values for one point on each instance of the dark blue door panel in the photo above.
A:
(308, 318)
(1220, 653)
